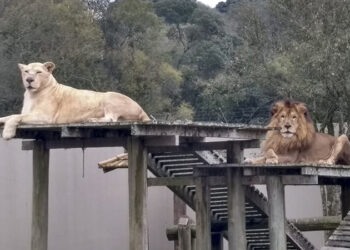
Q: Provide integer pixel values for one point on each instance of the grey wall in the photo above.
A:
(87, 212)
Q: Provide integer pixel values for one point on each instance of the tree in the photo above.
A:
(65, 33)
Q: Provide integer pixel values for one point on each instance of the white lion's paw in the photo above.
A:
(7, 134)
(248, 161)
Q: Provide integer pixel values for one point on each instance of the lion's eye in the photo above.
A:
(26, 71)
(294, 117)
(39, 72)
(282, 116)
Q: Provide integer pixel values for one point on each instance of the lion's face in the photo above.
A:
(36, 76)
(288, 122)
(295, 128)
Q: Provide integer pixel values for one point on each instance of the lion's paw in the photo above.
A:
(327, 162)
(272, 160)
(7, 134)
(248, 161)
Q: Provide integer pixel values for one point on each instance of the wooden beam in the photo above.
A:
(200, 146)
(78, 143)
(138, 229)
(40, 196)
(203, 218)
(184, 234)
(316, 223)
(170, 181)
(236, 200)
(276, 205)
(198, 130)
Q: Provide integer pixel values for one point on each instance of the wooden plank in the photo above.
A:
(170, 181)
(138, 230)
(40, 196)
(334, 248)
(200, 146)
(317, 223)
(78, 143)
(236, 200)
(275, 190)
(345, 200)
(203, 218)
(330, 171)
(197, 130)
(179, 209)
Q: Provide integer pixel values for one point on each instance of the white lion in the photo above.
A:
(48, 102)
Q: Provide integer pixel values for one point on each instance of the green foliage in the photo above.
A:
(183, 59)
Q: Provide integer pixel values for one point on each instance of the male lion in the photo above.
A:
(46, 101)
(296, 141)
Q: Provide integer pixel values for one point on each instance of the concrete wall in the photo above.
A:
(88, 209)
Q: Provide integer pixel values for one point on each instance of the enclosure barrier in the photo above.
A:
(144, 139)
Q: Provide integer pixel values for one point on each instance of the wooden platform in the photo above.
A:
(140, 139)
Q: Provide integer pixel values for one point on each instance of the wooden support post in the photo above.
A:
(40, 196)
(138, 231)
(179, 212)
(203, 219)
(217, 241)
(345, 200)
(275, 191)
(184, 234)
(236, 200)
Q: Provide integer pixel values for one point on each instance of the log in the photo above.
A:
(317, 223)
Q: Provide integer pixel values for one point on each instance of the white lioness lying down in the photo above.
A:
(46, 101)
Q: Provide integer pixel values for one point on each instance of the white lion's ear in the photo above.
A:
(50, 66)
(21, 66)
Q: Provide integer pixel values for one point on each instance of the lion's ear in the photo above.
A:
(50, 66)
(276, 107)
(21, 66)
(302, 109)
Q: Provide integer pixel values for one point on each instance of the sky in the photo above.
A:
(211, 3)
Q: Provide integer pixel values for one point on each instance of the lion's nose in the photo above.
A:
(287, 126)
(30, 80)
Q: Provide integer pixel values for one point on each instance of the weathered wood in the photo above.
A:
(79, 143)
(138, 231)
(345, 199)
(170, 181)
(179, 216)
(236, 200)
(198, 130)
(40, 196)
(184, 234)
(317, 223)
(275, 191)
(203, 218)
(334, 248)
(200, 146)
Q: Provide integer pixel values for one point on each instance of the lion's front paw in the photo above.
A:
(8, 134)
(248, 161)
(272, 160)
(329, 161)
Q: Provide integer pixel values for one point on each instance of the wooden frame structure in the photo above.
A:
(140, 139)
